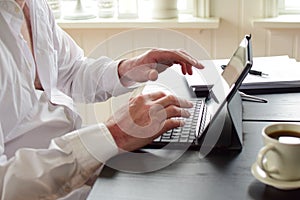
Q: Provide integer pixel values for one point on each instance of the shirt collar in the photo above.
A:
(12, 14)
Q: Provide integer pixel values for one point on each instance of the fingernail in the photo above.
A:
(185, 113)
(188, 113)
(182, 123)
(190, 104)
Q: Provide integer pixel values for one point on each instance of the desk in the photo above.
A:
(280, 107)
(221, 175)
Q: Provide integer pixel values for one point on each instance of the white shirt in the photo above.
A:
(30, 119)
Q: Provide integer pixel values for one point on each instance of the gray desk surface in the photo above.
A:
(280, 107)
(221, 175)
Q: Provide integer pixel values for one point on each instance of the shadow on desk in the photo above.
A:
(219, 159)
(108, 172)
(260, 191)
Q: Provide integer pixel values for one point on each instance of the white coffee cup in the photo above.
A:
(280, 156)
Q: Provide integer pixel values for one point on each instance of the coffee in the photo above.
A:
(286, 136)
(279, 157)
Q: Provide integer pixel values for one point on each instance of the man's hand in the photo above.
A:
(147, 66)
(145, 118)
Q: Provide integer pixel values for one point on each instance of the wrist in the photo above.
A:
(122, 140)
(115, 133)
(122, 68)
(122, 73)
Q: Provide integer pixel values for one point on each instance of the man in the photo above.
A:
(45, 153)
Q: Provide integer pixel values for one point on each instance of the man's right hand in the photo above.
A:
(145, 118)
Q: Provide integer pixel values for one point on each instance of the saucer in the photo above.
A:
(260, 175)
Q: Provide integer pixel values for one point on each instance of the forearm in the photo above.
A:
(96, 80)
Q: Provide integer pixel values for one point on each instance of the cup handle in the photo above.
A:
(260, 158)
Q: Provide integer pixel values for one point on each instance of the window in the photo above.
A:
(183, 6)
(289, 6)
(92, 6)
(186, 6)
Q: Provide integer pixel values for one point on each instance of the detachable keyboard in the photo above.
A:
(194, 125)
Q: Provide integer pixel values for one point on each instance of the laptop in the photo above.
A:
(207, 111)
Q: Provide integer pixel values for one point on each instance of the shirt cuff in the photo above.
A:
(111, 75)
(99, 142)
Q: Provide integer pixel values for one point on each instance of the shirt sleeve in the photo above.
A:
(52, 173)
(91, 139)
(86, 80)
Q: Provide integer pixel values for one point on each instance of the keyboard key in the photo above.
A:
(186, 133)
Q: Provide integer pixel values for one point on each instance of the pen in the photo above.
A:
(252, 98)
(253, 72)
(258, 73)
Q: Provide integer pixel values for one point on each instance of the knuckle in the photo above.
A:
(139, 98)
(173, 123)
(174, 111)
(154, 107)
(162, 94)
(153, 51)
(172, 99)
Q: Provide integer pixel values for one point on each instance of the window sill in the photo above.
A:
(183, 21)
(280, 22)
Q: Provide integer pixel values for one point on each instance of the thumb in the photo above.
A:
(152, 75)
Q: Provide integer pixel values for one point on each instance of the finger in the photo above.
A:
(171, 112)
(168, 100)
(189, 69)
(186, 58)
(183, 68)
(186, 69)
(194, 62)
(175, 56)
(152, 75)
(155, 95)
(168, 125)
